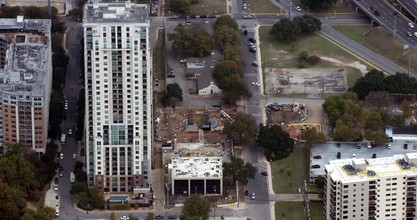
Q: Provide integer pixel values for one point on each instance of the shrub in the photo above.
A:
(120, 207)
(313, 59)
(303, 56)
(302, 64)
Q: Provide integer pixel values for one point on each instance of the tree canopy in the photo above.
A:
(375, 81)
(242, 128)
(227, 21)
(196, 207)
(198, 44)
(275, 142)
(312, 136)
(172, 95)
(289, 31)
(239, 170)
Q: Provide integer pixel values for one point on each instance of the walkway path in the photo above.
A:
(297, 197)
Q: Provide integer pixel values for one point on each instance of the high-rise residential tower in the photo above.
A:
(118, 120)
(25, 81)
(366, 189)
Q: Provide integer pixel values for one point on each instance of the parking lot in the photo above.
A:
(348, 150)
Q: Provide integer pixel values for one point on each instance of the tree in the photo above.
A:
(172, 95)
(308, 24)
(203, 44)
(401, 83)
(181, 39)
(286, 30)
(345, 133)
(275, 142)
(378, 137)
(112, 216)
(196, 207)
(228, 21)
(242, 128)
(198, 44)
(320, 182)
(151, 216)
(224, 69)
(226, 35)
(235, 89)
(239, 170)
(318, 5)
(312, 136)
(9, 12)
(373, 81)
(373, 120)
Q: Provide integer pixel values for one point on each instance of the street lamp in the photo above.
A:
(395, 23)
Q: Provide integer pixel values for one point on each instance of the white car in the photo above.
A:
(411, 25)
(124, 217)
(70, 131)
(252, 196)
(415, 34)
(56, 187)
(297, 8)
(61, 156)
(257, 84)
(74, 156)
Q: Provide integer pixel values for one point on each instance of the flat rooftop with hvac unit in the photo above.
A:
(192, 175)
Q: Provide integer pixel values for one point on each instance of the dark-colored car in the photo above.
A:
(338, 145)
(338, 155)
(193, 16)
(251, 39)
(245, 32)
(264, 173)
(212, 16)
(316, 166)
(159, 217)
(374, 155)
(317, 157)
(254, 64)
(56, 180)
(172, 217)
(217, 105)
(203, 16)
(252, 50)
(405, 146)
(377, 13)
(182, 17)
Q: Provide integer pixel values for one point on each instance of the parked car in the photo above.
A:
(317, 157)
(251, 39)
(264, 173)
(254, 64)
(316, 166)
(377, 13)
(253, 196)
(411, 25)
(405, 146)
(298, 8)
(338, 155)
(373, 155)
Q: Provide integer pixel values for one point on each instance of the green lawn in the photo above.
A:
(209, 7)
(287, 174)
(289, 211)
(381, 41)
(263, 6)
(159, 55)
(316, 211)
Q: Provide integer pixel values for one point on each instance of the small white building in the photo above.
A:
(196, 175)
(407, 134)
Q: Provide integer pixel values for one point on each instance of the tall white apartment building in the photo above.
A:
(381, 188)
(118, 131)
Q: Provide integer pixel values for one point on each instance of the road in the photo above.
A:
(386, 15)
(410, 6)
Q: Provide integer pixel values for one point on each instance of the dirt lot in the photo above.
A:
(307, 81)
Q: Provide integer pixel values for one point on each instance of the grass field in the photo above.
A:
(209, 7)
(277, 54)
(263, 6)
(159, 56)
(287, 173)
(381, 41)
(316, 211)
(289, 211)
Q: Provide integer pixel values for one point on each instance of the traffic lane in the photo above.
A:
(410, 6)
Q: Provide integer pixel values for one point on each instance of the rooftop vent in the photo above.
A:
(371, 173)
(349, 169)
(404, 164)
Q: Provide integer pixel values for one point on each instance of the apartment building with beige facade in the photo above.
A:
(380, 188)
(118, 120)
(25, 81)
